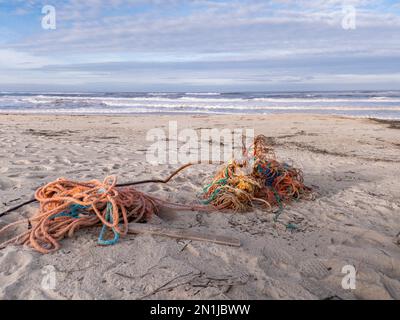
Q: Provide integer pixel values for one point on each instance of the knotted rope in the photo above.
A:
(67, 206)
(258, 177)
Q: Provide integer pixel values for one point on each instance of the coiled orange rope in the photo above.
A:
(67, 206)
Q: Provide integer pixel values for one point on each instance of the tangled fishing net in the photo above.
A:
(257, 178)
(67, 206)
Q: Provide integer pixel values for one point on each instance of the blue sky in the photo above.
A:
(199, 45)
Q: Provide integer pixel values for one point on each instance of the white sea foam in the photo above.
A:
(379, 104)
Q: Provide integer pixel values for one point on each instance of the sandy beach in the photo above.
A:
(352, 165)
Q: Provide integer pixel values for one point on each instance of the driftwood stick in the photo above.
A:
(142, 228)
(17, 207)
(156, 180)
(118, 185)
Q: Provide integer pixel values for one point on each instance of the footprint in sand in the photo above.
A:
(13, 265)
(392, 286)
(154, 188)
(316, 288)
(4, 170)
(5, 183)
(21, 162)
(275, 251)
(283, 289)
(115, 166)
(314, 268)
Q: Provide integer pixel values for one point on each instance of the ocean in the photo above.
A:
(376, 104)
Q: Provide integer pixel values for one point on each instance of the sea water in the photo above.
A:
(377, 104)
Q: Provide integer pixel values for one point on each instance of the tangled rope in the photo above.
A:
(67, 206)
(258, 177)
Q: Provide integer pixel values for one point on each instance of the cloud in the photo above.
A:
(242, 42)
(11, 59)
(233, 29)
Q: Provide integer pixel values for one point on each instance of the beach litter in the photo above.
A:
(67, 206)
(256, 178)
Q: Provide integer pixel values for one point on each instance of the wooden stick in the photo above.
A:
(156, 180)
(17, 207)
(142, 228)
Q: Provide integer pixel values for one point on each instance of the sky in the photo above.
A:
(200, 45)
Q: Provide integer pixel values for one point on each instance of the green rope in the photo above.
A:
(291, 226)
(221, 182)
(109, 218)
(74, 211)
(278, 200)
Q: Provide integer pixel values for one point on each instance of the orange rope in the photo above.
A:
(67, 206)
(257, 178)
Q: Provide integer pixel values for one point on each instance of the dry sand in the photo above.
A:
(353, 164)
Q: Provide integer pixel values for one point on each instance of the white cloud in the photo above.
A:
(12, 59)
(284, 32)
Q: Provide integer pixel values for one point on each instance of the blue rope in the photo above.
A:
(109, 218)
(74, 211)
(291, 226)
(278, 199)
(270, 175)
